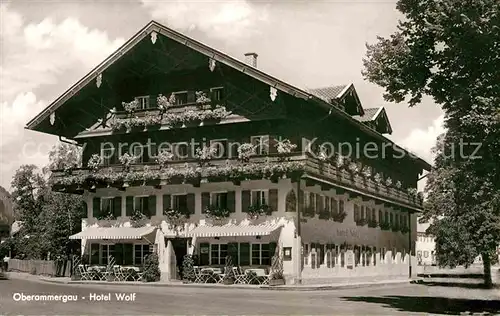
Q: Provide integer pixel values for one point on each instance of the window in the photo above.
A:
(259, 197)
(220, 146)
(138, 152)
(179, 203)
(217, 94)
(380, 218)
(341, 206)
(106, 252)
(312, 200)
(140, 253)
(356, 212)
(334, 206)
(391, 219)
(218, 254)
(397, 219)
(180, 151)
(261, 144)
(143, 102)
(107, 155)
(107, 205)
(374, 218)
(181, 97)
(146, 205)
(305, 249)
(219, 200)
(426, 254)
(326, 203)
(260, 254)
(362, 212)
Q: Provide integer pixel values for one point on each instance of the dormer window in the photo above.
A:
(143, 102)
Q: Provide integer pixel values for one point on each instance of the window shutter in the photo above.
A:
(272, 144)
(272, 250)
(190, 203)
(129, 205)
(273, 200)
(356, 212)
(151, 206)
(231, 201)
(166, 201)
(117, 206)
(96, 207)
(205, 201)
(319, 203)
(245, 200)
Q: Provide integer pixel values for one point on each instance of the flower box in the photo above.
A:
(211, 121)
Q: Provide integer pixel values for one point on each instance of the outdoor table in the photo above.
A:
(97, 272)
(130, 272)
(210, 274)
(259, 275)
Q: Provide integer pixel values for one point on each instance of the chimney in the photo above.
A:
(251, 59)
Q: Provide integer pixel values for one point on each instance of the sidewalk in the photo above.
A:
(341, 283)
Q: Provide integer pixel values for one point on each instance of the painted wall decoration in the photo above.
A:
(211, 64)
(273, 92)
(154, 36)
(98, 81)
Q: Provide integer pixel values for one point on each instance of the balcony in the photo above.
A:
(272, 167)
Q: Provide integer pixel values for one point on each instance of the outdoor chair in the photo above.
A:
(240, 277)
(198, 277)
(118, 273)
(84, 274)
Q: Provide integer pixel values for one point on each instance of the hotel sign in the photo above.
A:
(354, 234)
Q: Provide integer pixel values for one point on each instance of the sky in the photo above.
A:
(46, 46)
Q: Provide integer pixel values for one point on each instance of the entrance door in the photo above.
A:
(180, 246)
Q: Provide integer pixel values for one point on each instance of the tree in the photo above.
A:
(448, 50)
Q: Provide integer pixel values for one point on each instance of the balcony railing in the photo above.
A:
(272, 167)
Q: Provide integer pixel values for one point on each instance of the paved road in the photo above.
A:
(406, 299)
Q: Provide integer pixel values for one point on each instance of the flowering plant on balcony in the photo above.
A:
(339, 216)
(164, 102)
(126, 160)
(285, 147)
(388, 181)
(367, 173)
(353, 167)
(399, 184)
(385, 225)
(164, 157)
(205, 154)
(412, 193)
(151, 120)
(324, 214)
(174, 218)
(395, 227)
(361, 221)
(245, 151)
(137, 218)
(378, 178)
(372, 223)
(216, 114)
(215, 212)
(322, 155)
(404, 229)
(202, 97)
(95, 161)
(340, 161)
(131, 106)
(256, 210)
(106, 215)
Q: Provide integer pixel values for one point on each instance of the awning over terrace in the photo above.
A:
(117, 233)
(232, 230)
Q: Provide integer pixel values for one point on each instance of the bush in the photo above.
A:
(33, 271)
(187, 268)
(151, 269)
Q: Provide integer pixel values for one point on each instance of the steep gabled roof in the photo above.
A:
(337, 95)
(328, 93)
(376, 118)
(156, 28)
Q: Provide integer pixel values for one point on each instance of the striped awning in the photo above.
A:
(114, 233)
(231, 230)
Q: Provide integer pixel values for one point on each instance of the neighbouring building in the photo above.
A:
(190, 151)
(6, 214)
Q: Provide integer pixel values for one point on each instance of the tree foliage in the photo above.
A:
(48, 217)
(448, 49)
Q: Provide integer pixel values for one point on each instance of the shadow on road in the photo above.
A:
(434, 305)
(457, 284)
(450, 276)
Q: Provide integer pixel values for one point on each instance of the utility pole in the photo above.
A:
(298, 208)
(409, 244)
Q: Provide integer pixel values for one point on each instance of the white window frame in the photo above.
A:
(216, 89)
(107, 161)
(260, 252)
(213, 194)
(263, 144)
(101, 252)
(144, 101)
(225, 150)
(218, 252)
(261, 193)
(142, 250)
(178, 93)
(172, 198)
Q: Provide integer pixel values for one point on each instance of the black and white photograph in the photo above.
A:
(250, 157)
